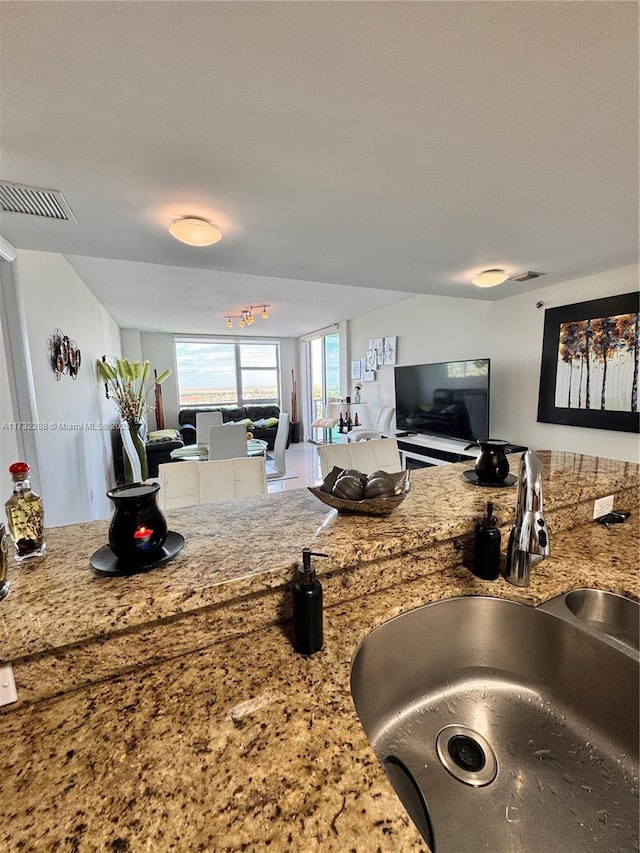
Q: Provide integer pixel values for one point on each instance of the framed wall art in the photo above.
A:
(376, 345)
(390, 350)
(589, 371)
(371, 359)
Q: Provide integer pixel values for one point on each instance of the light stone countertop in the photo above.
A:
(190, 724)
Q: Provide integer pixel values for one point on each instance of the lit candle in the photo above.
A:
(142, 535)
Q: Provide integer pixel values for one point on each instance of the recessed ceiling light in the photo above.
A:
(195, 231)
(490, 278)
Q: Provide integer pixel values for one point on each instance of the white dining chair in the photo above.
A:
(203, 421)
(277, 467)
(188, 483)
(379, 454)
(228, 441)
(382, 426)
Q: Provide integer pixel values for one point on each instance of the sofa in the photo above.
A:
(253, 416)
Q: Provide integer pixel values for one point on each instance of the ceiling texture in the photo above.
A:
(353, 154)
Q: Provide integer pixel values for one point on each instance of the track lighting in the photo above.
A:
(246, 316)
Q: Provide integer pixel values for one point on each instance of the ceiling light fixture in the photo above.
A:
(246, 316)
(490, 278)
(195, 231)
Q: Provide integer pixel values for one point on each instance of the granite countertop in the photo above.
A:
(242, 745)
(239, 548)
(195, 726)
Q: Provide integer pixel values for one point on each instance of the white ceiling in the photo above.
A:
(352, 153)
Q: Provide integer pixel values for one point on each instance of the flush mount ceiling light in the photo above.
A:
(490, 278)
(195, 231)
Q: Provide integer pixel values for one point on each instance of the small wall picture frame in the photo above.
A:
(371, 360)
(378, 346)
(356, 369)
(390, 350)
(369, 376)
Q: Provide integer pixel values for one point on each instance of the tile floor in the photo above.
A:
(303, 460)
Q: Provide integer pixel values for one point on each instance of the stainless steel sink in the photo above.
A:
(503, 728)
(614, 616)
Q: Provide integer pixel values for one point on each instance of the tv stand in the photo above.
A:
(421, 451)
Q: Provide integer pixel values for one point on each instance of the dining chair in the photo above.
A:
(277, 467)
(228, 441)
(188, 483)
(379, 454)
(203, 421)
(382, 426)
(328, 422)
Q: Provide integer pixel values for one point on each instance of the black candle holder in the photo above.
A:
(138, 528)
(138, 535)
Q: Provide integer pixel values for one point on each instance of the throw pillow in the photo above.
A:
(162, 435)
(246, 421)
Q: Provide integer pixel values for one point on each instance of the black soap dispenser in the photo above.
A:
(486, 555)
(307, 606)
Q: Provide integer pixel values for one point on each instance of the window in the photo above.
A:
(323, 361)
(217, 372)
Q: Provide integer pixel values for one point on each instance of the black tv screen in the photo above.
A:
(450, 398)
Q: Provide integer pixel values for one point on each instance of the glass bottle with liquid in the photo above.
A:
(25, 515)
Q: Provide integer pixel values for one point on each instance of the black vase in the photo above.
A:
(492, 465)
(138, 528)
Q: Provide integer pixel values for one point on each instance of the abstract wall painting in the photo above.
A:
(590, 360)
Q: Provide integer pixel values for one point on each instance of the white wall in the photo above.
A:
(160, 351)
(429, 329)
(8, 438)
(75, 465)
(509, 331)
(517, 354)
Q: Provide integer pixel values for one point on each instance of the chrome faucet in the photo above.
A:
(529, 538)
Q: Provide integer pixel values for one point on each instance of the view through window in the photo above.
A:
(323, 359)
(216, 372)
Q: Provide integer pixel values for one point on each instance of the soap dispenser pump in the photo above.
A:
(486, 555)
(307, 606)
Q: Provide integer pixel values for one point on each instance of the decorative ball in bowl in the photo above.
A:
(348, 490)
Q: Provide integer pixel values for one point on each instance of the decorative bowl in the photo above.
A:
(368, 506)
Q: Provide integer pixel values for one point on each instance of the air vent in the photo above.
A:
(527, 276)
(34, 201)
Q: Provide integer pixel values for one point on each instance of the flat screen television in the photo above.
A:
(450, 399)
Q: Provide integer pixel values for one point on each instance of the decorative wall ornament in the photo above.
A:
(590, 359)
(64, 355)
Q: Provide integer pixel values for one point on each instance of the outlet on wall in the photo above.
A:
(602, 506)
(8, 692)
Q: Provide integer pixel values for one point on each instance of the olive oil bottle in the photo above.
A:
(25, 515)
